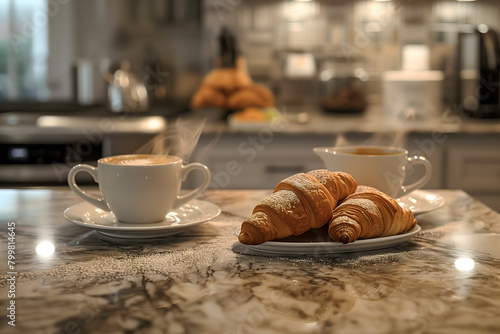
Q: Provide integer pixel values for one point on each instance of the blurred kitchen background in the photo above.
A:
(171, 44)
(81, 79)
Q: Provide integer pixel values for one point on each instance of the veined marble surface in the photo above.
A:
(196, 283)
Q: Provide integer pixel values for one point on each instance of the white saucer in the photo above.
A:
(191, 214)
(421, 201)
(308, 246)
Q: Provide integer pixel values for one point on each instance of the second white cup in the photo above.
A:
(381, 167)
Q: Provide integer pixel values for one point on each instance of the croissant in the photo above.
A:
(297, 204)
(369, 214)
(206, 96)
(228, 79)
(254, 96)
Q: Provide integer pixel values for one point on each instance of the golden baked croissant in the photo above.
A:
(231, 89)
(228, 79)
(298, 203)
(208, 97)
(265, 93)
(369, 214)
(253, 96)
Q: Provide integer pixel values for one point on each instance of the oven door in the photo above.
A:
(41, 151)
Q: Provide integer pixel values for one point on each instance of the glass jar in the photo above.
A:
(343, 86)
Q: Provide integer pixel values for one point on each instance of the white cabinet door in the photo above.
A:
(474, 167)
(241, 162)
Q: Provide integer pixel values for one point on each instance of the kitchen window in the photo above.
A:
(24, 49)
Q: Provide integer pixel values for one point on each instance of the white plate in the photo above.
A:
(420, 201)
(253, 125)
(306, 244)
(190, 214)
(248, 125)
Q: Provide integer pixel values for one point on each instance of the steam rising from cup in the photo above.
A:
(395, 135)
(179, 139)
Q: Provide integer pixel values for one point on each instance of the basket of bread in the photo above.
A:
(230, 88)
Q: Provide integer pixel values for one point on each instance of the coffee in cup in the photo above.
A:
(381, 167)
(139, 188)
(139, 160)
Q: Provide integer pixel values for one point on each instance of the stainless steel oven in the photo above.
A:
(40, 149)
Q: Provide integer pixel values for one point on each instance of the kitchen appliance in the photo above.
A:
(412, 94)
(228, 49)
(478, 73)
(40, 149)
(89, 86)
(125, 92)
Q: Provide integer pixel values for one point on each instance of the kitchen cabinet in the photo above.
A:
(257, 160)
(473, 164)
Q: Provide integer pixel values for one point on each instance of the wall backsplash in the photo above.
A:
(371, 32)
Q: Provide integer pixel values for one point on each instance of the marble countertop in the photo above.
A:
(444, 280)
(22, 128)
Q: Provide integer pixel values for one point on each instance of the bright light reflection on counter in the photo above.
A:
(464, 264)
(430, 197)
(45, 248)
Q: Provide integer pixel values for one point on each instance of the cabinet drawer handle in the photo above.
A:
(285, 169)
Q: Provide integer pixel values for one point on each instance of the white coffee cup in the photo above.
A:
(139, 188)
(381, 167)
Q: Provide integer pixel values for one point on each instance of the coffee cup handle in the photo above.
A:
(181, 200)
(94, 200)
(412, 161)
